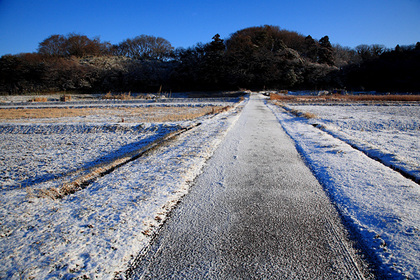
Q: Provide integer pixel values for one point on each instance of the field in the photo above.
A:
(387, 132)
(60, 215)
(85, 185)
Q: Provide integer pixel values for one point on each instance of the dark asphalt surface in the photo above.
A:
(256, 212)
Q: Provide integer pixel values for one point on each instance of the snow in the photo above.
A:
(389, 133)
(96, 232)
(14, 102)
(51, 153)
(380, 204)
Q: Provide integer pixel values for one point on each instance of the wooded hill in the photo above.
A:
(264, 57)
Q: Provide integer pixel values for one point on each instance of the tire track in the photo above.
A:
(100, 170)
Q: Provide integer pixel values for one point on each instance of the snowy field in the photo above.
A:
(389, 133)
(348, 149)
(95, 232)
(52, 153)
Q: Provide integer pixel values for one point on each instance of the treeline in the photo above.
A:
(264, 57)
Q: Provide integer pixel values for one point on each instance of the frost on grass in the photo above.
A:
(95, 232)
(34, 154)
(389, 133)
(380, 204)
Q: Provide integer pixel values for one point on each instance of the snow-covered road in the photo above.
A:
(255, 212)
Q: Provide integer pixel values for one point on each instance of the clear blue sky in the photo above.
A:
(25, 23)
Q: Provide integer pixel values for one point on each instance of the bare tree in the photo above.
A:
(369, 52)
(72, 45)
(53, 46)
(145, 47)
(344, 56)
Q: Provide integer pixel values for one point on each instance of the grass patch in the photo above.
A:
(8, 114)
(145, 114)
(309, 115)
(345, 98)
(306, 115)
(39, 99)
(297, 113)
(121, 96)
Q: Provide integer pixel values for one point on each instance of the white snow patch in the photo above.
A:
(389, 133)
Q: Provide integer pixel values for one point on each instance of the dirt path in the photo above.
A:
(255, 212)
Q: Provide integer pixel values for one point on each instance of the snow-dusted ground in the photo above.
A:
(95, 232)
(390, 133)
(381, 205)
(50, 153)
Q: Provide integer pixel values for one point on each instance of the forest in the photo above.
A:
(255, 58)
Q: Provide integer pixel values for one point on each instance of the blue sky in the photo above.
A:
(25, 23)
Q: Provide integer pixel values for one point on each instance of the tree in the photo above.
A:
(145, 47)
(213, 64)
(216, 46)
(326, 51)
(53, 46)
(72, 45)
(344, 56)
(370, 52)
(311, 49)
(81, 45)
(263, 56)
(377, 50)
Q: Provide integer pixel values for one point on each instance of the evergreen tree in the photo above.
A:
(311, 49)
(214, 63)
(326, 51)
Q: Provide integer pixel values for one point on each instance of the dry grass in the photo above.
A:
(65, 98)
(8, 114)
(309, 115)
(121, 96)
(171, 114)
(147, 114)
(345, 98)
(298, 113)
(39, 99)
(80, 182)
(295, 112)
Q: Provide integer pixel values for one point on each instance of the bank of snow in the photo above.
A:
(387, 132)
(380, 204)
(96, 232)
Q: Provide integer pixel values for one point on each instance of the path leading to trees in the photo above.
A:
(255, 212)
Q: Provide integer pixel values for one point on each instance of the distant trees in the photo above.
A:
(55, 45)
(258, 57)
(72, 45)
(140, 47)
(144, 47)
(370, 52)
(384, 70)
(255, 58)
(270, 57)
